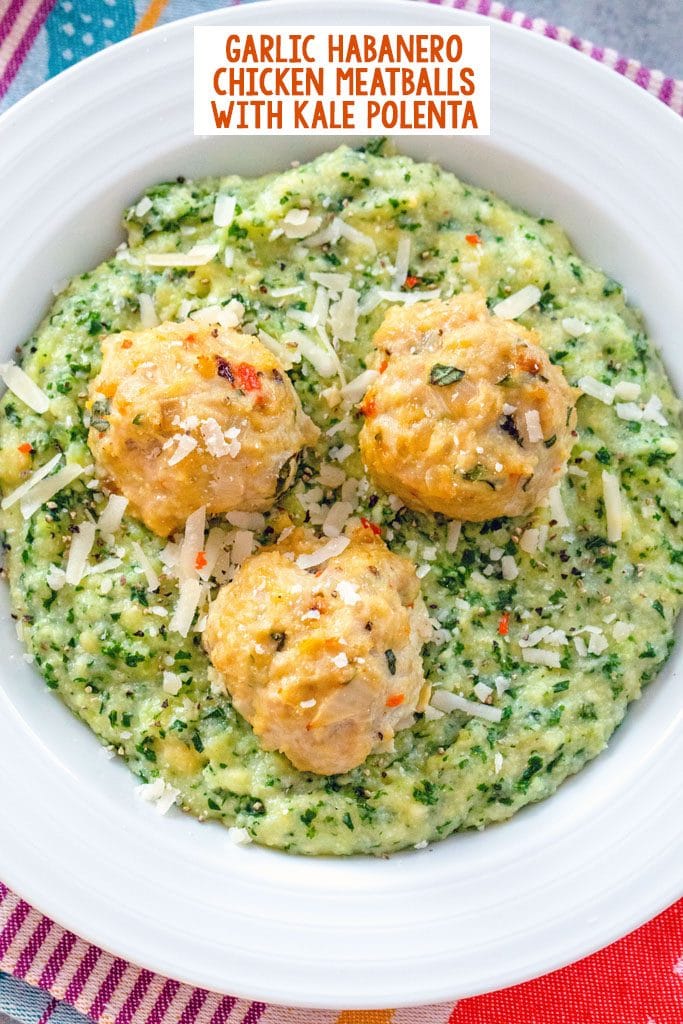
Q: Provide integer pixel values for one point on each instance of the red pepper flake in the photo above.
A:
(473, 239)
(383, 365)
(411, 281)
(127, 343)
(395, 700)
(26, 448)
(504, 624)
(377, 530)
(190, 339)
(246, 377)
(369, 407)
(200, 561)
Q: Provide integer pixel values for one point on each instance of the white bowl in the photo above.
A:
(476, 912)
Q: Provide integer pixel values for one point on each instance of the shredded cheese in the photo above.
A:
(509, 567)
(159, 793)
(402, 262)
(355, 390)
(146, 566)
(188, 601)
(444, 701)
(352, 234)
(172, 683)
(574, 327)
(239, 836)
(596, 389)
(224, 211)
(528, 542)
(612, 495)
(229, 315)
(627, 391)
(537, 656)
(246, 520)
(21, 385)
(112, 514)
(46, 489)
(242, 546)
(518, 302)
(148, 313)
(557, 510)
(193, 543)
(344, 315)
(653, 411)
(23, 489)
(197, 256)
(331, 549)
(336, 518)
(334, 282)
(453, 535)
(186, 444)
(629, 411)
(81, 546)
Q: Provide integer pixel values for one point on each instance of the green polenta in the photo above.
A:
(104, 644)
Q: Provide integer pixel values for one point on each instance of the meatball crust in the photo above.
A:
(184, 415)
(324, 663)
(468, 416)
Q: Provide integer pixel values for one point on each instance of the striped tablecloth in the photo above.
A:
(49, 971)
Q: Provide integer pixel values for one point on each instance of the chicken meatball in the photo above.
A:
(184, 415)
(322, 657)
(468, 416)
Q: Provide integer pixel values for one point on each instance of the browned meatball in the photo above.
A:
(469, 417)
(324, 662)
(185, 415)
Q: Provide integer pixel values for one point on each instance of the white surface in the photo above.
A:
(480, 911)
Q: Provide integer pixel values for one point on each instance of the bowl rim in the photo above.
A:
(652, 109)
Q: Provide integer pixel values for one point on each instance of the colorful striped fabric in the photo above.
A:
(48, 970)
(638, 980)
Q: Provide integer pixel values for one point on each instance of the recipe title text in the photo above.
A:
(298, 81)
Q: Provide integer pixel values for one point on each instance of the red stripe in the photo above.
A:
(14, 923)
(9, 17)
(194, 1005)
(107, 988)
(135, 997)
(57, 960)
(223, 1010)
(25, 44)
(28, 954)
(83, 972)
(164, 1000)
(254, 1013)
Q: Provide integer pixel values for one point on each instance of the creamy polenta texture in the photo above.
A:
(544, 627)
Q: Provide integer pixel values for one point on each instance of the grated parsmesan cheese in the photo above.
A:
(197, 256)
(44, 490)
(445, 701)
(613, 511)
(596, 389)
(24, 388)
(112, 514)
(81, 546)
(517, 303)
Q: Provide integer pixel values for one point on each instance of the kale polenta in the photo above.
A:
(499, 655)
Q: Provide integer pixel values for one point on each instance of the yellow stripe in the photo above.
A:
(151, 16)
(365, 1017)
